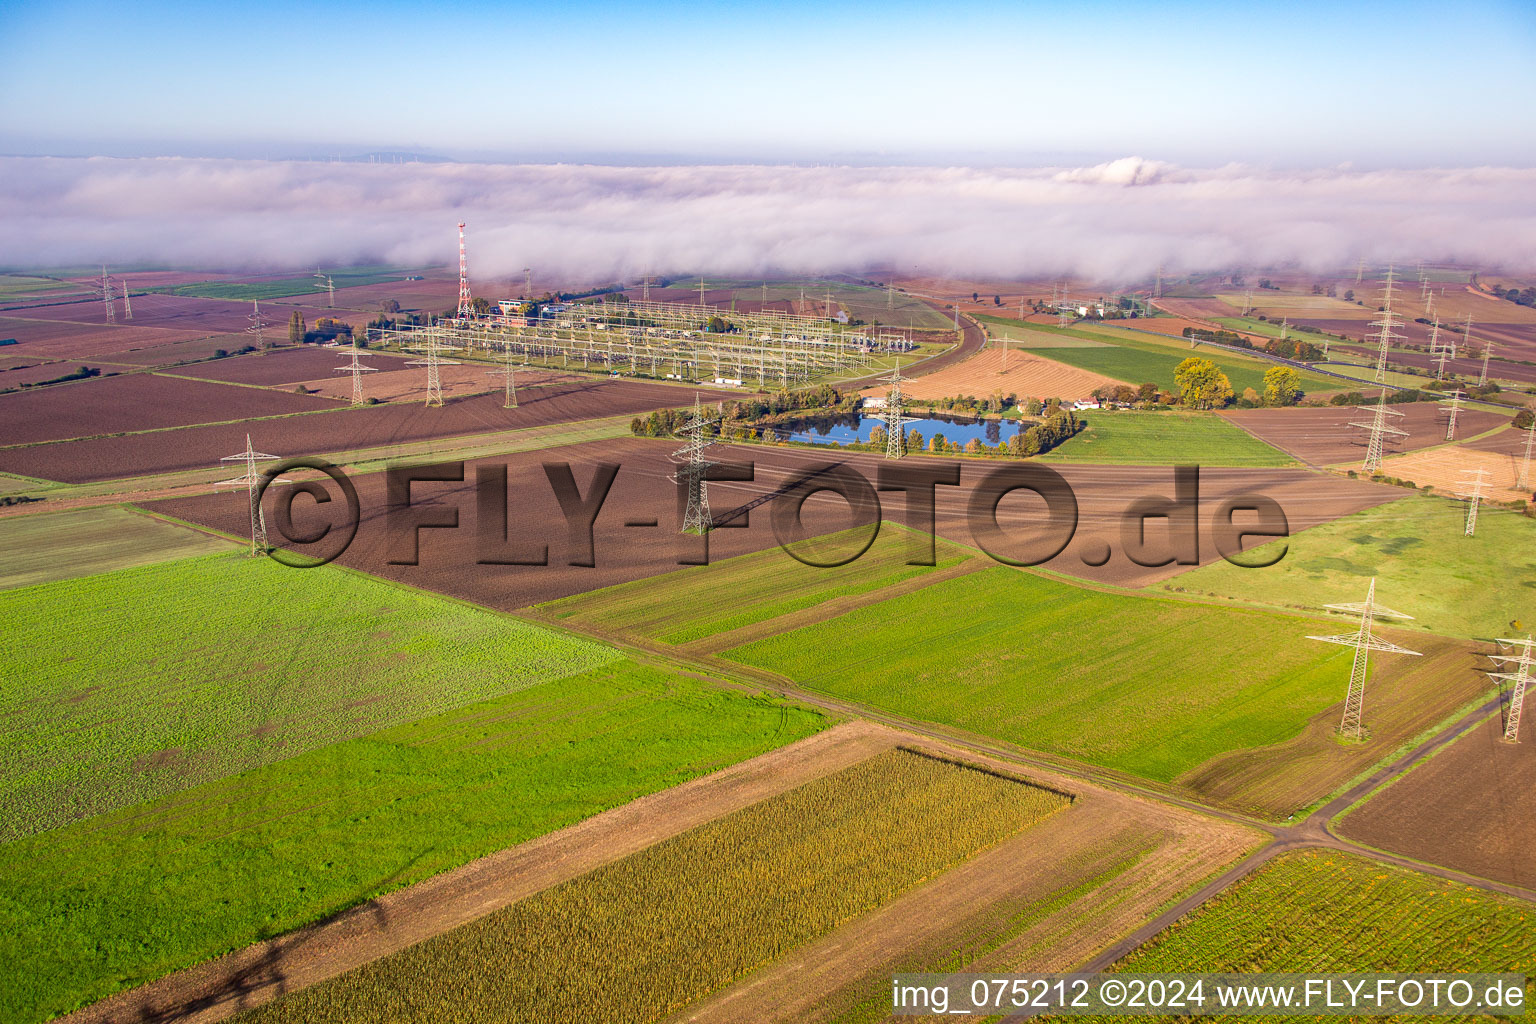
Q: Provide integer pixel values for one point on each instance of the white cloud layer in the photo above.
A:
(1115, 222)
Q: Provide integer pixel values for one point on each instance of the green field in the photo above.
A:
(14, 286)
(289, 286)
(760, 586)
(1423, 563)
(1144, 358)
(872, 305)
(1125, 437)
(44, 547)
(1317, 912)
(105, 904)
(636, 940)
(1006, 653)
(129, 685)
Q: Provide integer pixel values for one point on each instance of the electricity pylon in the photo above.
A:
(1363, 641)
(1520, 676)
(251, 480)
(434, 375)
(1466, 338)
(1359, 271)
(1525, 464)
(1379, 430)
(1439, 352)
(256, 325)
(325, 284)
(1474, 496)
(356, 369)
(1454, 407)
(697, 518)
(894, 416)
(128, 301)
(508, 374)
(1386, 323)
(1482, 378)
(106, 296)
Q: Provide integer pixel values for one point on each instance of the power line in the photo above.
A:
(1363, 641)
(1520, 676)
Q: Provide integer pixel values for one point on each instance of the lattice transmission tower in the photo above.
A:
(508, 375)
(1524, 483)
(466, 303)
(127, 299)
(250, 480)
(1466, 338)
(1482, 377)
(894, 415)
(1521, 662)
(256, 325)
(1388, 334)
(699, 433)
(1378, 428)
(1453, 407)
(1472, 490)
(357, 368)
(1440, 353)
(106, 296)
(434, 363)
(1363, 641)
(324, 283)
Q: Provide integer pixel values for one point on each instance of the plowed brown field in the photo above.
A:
(1325, 437)
(994, 371)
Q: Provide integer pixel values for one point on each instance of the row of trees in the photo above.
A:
(1519, 296)
(1202, 385)
(325, 329)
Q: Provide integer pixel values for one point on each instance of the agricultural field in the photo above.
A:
(1416, 549)
(43, 547)
(762, 586)
(641, 938)
(1132, 358)
(287, 365)
(994, 371)
(227, 663)
(1450, 470)
(340, 429)
(1000, 653)
(245, 291)
(1125, 437)
(129, 896)
(1327, 911)
(135, 402)
(1326, 437)
(1480, 791)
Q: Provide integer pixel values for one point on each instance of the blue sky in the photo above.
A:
(1287, 85)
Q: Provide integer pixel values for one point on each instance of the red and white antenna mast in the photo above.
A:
(466, 306)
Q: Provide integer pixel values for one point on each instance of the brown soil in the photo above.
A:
(643, 489)
(410, 385)
(1325, 437)
(1471, 807)
(1449, 471)
(1404, 696)
(289, 365)
(994, 371)
(344, 429)
(137, 401)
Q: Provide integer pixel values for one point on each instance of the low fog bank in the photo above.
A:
(577, 223)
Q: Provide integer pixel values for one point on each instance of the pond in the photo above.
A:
(851, 428)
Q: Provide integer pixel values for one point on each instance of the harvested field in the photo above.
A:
(184, 313)
(410, 384)
(1448, 470)
(999, 652)
(62, 339)
(137, 401)
(1417, 551)
(643, 489)
(344, 429)
(176, 353)
(1325, 437)
(128, 897)
(1480, 793)
(23, 375)
(647, 935)
(289, 365)
(201, 668)
(1505, 442)
(47, 546)
(994, 371)
(1323, 911)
